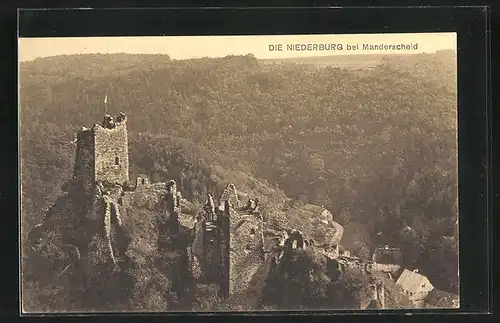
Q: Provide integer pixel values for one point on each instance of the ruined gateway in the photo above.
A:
(224, 245)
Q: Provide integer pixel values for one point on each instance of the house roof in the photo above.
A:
(412, 281)
(442, 299)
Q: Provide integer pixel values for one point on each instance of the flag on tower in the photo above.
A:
(106, 98)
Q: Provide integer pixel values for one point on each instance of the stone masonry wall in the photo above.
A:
(84, 162)
(111, 153)
(246, 250)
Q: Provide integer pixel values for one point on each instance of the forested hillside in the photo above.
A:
(377, 147)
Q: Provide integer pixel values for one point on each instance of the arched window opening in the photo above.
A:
(252, 231)
(117, 161)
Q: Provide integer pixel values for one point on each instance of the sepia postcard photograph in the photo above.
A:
(238, 173)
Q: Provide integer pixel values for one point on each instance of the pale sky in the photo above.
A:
(182, 47)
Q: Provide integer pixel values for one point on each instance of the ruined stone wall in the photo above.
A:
(104, 220)
(111, 153)
(246, 250)
(84, 161)
(229, 194)
(141, 181)
(225, 236)
(197, 250)
(109, 206)
(381, 294)
(139, 211)
(386, 268)
(212, 255)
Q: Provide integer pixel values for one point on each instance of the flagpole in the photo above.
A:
(106, 104)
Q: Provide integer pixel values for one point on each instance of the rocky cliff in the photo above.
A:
(117, 244)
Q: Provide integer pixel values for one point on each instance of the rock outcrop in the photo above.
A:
(126, 237)
(319, 229)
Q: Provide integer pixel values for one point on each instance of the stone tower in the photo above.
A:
(228, 244)
(212, 248)
(102, 153)
(225, 249)
(243, 243)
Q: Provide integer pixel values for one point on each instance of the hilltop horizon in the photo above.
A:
(337, 56)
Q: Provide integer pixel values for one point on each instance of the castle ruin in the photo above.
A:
(225, 246)
(119, 222)
(228, 245)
